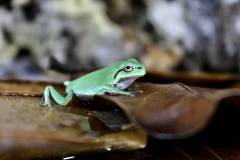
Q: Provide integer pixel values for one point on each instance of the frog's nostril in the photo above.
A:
(139, 67)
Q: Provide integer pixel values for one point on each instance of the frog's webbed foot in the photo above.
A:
(43, 101)
(114, 90)
(46, 97)
(59, 99)
(127, 93)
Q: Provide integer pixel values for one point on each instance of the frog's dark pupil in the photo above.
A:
(128, 68)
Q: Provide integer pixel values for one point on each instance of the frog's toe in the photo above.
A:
(44, 103)
(130, 94)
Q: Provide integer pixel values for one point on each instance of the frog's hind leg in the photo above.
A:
(56, 96)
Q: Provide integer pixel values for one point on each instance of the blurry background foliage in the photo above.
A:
(79, 35)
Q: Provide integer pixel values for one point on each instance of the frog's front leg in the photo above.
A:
(114, 90)
(59, 99)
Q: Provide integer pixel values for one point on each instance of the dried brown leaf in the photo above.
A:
(171, 111)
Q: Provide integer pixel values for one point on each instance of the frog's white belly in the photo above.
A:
(125, 83)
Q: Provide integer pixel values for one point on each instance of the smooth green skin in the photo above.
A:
(112, 79)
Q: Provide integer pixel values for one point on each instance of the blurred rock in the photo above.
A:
(160, 59)
(77, 33)
(207, 31)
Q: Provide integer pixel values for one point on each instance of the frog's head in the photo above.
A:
(128, 71)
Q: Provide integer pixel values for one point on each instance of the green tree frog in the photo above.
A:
(113, 79)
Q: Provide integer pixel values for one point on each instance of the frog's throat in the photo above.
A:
(125, 83)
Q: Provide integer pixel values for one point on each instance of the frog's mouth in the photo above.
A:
(126, 82)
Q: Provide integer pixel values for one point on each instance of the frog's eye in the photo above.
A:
(128, 68)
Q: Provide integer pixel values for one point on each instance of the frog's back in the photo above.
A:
(90, 83)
